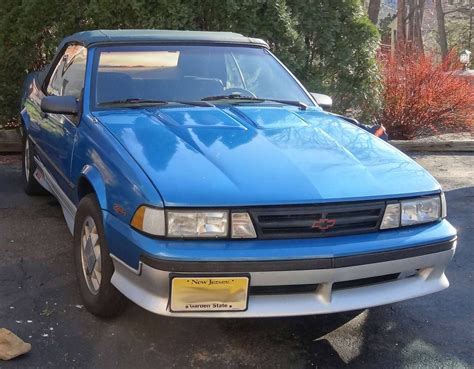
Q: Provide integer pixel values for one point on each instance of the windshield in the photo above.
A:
(190, 73)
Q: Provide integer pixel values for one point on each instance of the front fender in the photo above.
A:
(93, 176)
(121, 186)
(25, 119)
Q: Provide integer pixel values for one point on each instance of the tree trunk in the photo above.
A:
(414, 19)
(401, 24)
(374, 10)
(442, 39)
(469, 41)
(418, 24)
(421, 7)
(411, 22)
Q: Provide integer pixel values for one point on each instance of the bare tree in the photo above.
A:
(411, 20)
(401, 23)
(416, 9)
(442, 38)
(471, 14)
(418, 21)
(374, 10)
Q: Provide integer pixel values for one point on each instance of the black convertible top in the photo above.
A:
(139, 36)
(101, 36)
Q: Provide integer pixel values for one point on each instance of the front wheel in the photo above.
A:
(94, 266)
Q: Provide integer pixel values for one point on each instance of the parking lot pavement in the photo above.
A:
(40, 302)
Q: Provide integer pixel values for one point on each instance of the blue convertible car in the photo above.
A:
(200, 178)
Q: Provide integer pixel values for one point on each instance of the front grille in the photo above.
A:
(283, 290)
(312, 288)
(364, 281)
(317, 220)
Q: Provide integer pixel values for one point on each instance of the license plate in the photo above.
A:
(189, 294)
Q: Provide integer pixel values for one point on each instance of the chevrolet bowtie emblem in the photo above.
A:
(324, 224)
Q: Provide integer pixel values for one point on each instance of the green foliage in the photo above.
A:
(340, 46)
(457, 30)
(329, 44)
(384, 26)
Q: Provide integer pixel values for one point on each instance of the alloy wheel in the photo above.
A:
(90, 255)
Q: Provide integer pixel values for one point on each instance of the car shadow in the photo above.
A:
(37, 280)
(297, 342)
(424, 332)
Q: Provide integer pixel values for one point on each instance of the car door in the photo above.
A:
(58, 131)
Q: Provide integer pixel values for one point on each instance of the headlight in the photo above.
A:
(149, 220)
(193, 224)
(422, 210)
(391, 217)
(444, 209)
(198, 223)
(414, 211)
(242, 226)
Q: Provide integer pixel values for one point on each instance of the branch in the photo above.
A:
(465, 11)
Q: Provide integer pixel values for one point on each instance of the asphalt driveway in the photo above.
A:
(40, 302)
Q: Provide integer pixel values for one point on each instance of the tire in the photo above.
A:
(30, 184)
(100, 297)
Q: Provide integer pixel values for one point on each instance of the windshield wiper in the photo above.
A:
(299, 104)
(137, 101)
(231, 97)
(195, 103)
(131, 101)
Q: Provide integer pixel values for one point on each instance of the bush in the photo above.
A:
(339, 54)
(329, 44)
(423, 97)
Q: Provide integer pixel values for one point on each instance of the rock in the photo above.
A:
(11, 345)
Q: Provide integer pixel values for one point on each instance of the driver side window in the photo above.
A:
(68, 76)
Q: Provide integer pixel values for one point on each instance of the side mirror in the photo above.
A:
(324, 101)
(60, 105)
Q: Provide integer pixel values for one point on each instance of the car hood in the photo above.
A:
(262, 155)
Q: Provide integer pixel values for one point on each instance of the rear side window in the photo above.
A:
(68, 76)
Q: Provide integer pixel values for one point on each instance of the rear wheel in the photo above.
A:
(94, 266)
(30, 184)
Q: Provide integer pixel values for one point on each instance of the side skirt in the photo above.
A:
(46, 180)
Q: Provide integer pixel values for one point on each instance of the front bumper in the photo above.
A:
(418, 271)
